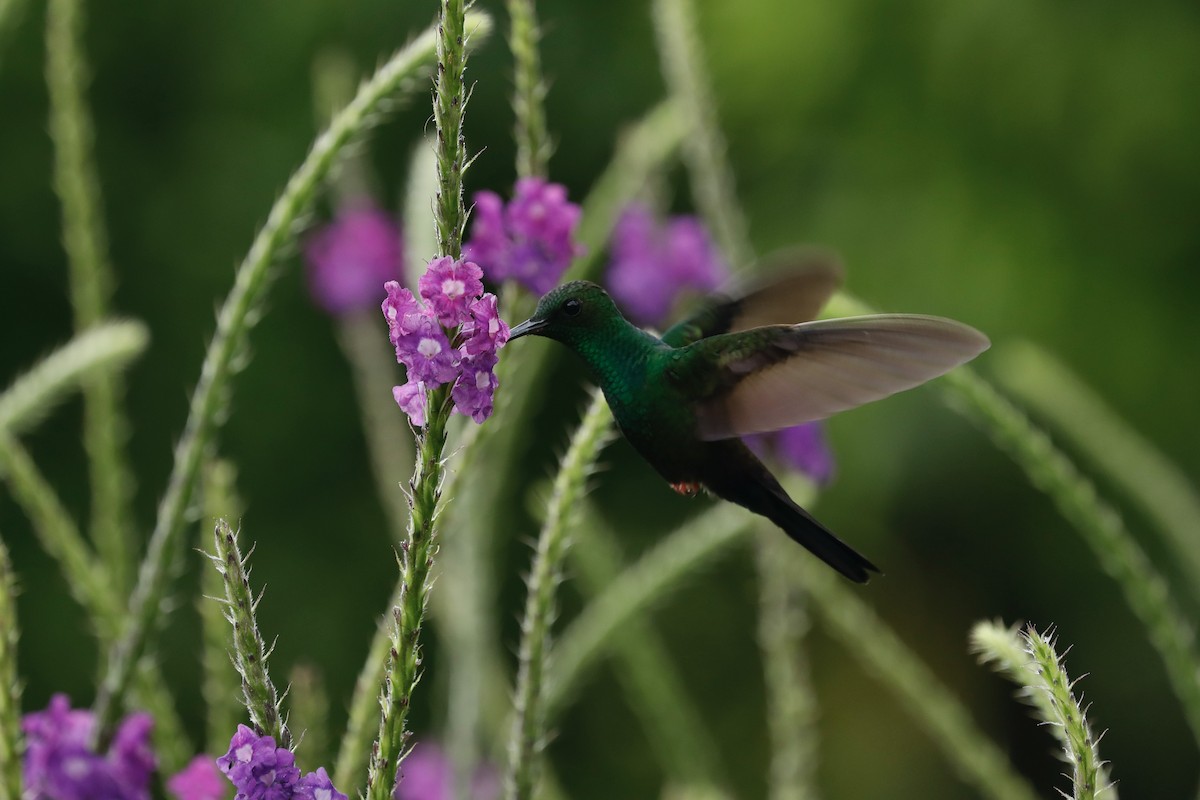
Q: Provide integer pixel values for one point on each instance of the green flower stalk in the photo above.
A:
(529, 92)
(250, 652)
(226, 353)
(1012, 653)
(529, 723)
(11, 747)
(417, 551)
(222, 709)
(105, 428)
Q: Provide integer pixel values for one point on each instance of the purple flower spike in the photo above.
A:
(485, 332)
(317, 786)
(531, 240)
(349, 259)
(402, 311)
(427, 354)
(258, 769)
(449, 286)
(474, 390)
(411, 399)
(199, 780)
(803, 448)
(652, 266)
(426, 775)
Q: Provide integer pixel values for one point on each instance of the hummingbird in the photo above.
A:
(742, 363)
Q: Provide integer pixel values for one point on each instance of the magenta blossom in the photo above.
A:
(199, 780)
(531, 240)
(428, 355)
(411, 399)
(484, 332)
(426, 775)
(350, 257)
(450, 286)
(60, 765)
(473, 391)
(261, 771)
(804, 448)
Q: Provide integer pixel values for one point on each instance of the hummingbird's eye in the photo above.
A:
(572, 307)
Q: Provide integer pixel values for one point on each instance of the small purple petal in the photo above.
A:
(411, 399)
(475, 389)
(803, 448)
(428, 355)
(317, 786)
(449, 286)
(402, 311)
(485, 332)
(199, 780)
(350, 258)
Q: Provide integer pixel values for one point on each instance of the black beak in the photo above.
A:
(526, 327)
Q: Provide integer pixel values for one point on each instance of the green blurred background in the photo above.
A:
(1031, 168)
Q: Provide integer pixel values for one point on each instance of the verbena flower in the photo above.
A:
(349, 259)
(453, 336)
(529, 240)
(199, 780)
(804, 448)
(59, 764)
(427, 775)
(653, 266)
(261, 771)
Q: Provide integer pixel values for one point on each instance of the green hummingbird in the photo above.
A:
(748, 363)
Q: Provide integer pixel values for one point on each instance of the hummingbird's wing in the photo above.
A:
(794, 286)
(776, 377)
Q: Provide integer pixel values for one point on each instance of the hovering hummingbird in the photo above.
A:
(740, 365)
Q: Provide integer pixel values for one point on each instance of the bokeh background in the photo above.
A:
(1029, 167)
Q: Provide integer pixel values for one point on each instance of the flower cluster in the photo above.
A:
(199, 780)
(349, 259)
(60, 765)
(261, 771)
(427, 775)
(652, 266)
(530, 240)
(454, 302)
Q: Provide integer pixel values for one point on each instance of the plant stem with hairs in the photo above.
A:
(529, 92)
(11, 746)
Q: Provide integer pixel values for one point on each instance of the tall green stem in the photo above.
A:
(529, 92)
(11, 746)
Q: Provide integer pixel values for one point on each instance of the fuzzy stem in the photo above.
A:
(242, 308)
(1076, 735)
(655, 688)
(11, 745)
(223, 711)
(1101, 527)
(309, 706)
(640, 586)
(109, 347)
(105, 427)
(529, 92)
(1007, 652)
(1126, 458)
(529, 724)
(976, 759)
(417, 551)
(11, 13)
(783, 625)
(250, 652)
(704, 148)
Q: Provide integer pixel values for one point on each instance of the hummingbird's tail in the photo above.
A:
(756, 489)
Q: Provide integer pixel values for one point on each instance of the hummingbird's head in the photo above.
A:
(570, 312)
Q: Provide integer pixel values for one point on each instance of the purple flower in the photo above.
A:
(317, 786)
(476, 386)
(427, 354)
(402, 311)
(411, 399)
(59, 764)
(652, 266)
(426, 775)
(258, 769)
(484, 332)
(199, 780)
(531, 240)
(802, 447)
(449, 286)
(350, 258)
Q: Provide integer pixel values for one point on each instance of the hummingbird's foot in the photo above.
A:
(687, 488)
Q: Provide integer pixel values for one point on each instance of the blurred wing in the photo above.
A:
(781, 376)
(796, 285)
